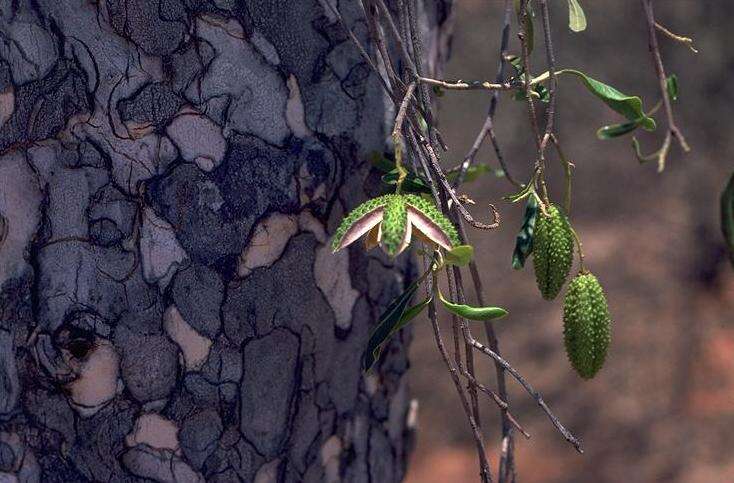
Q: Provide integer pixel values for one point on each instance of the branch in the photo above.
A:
(467, 85)
(528, 388)
(488, 126)
(673, 130)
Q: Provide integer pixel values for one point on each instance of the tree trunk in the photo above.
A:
(170, 309)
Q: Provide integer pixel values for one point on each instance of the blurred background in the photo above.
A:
(662, 408)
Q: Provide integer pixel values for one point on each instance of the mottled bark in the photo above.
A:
(170, 172)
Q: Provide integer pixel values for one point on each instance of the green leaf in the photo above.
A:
(672, 85)
(576, 16)
(459, 256)
(411, 314)
(529, 14)
(526, 191)
(473, 313)
(727, 217)
(524, 240)
(628, 106)
(381, 162)
(616, 130)
(474, 172)
(411, 183)
(386, 326)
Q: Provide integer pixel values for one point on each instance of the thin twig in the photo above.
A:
(528, 388)
(662, 81)
(483, 463)
(553, 84)
(360, 48)
(461, 85)
(500, 403)
(488, 126)
(687, 41)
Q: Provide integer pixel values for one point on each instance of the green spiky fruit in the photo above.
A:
(552, 251)
(586, 325)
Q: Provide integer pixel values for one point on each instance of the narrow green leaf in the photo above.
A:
(628, 106)
(616, 130)
(474, 172)
(524, 240)
(727, 217)
(411, 314)
(526, 191)
(473, 313)
(576, 16)
(459, 256)
(672, 85)
(385, 328)
(381, 162)
(529, 14)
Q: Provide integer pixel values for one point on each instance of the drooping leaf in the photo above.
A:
(460, 255)
(411, 314)
(671, 83)
(576, 16)
(616, 130)
(628, 106)
(524, 240)
(473, 313)
(385, 327)
(727, 217)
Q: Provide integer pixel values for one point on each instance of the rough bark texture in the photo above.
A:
(170, 172)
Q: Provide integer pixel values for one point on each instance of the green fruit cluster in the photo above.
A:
(586, 325)
(552, 251)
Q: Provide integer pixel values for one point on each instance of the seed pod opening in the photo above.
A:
(586, 325)
(552, 251)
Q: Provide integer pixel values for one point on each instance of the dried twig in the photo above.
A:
(488, 126)
(673, 130)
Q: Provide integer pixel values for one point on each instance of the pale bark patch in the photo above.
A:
(268, 473)
(295, 115)
(197, 138)
(194, 346)
(160, 251)
(19, 204)
(96, 383)
(267, 243)
(330, 454)
(331, 272)
(7, 104)
(155, 431)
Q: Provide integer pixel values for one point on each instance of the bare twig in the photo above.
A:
(484, 464)
(528, 388)
(687, 41)
(662, 81)
(550, 58)
(488, 126)
(461, 85)
(500, 403)
(360, 48)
